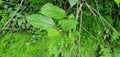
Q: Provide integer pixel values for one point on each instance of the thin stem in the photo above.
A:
(90, 33)
(80, 23)
(97, 5)
(106, 21)
(9, 20)
(90, 9)
(71, 45)
(78, 10)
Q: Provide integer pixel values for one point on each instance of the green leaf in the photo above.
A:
(115, 35)
(21, 21)
(117, 2)
(52, 32)
(39, 21)
(105, 52)
(72, 2)
(52, 11)
(116, 51)
(1, 2)
(68, 24)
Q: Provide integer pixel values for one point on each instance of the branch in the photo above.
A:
(10, 19)
(106, 21)
(79, 9)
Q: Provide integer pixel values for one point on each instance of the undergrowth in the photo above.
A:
(58, 28)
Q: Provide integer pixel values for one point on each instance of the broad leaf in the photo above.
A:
(72, 2)
(52, 32)
(67, 24)
(39, 21)
(53, 11)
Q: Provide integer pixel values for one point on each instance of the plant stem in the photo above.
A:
(10, 19)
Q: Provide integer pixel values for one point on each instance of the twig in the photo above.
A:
(71, 45)
(109, 48)
(114, 38)
(92, 13)
(97, 5)
(90, 34)
(78, 10)
(80, 23)
(103, 19)
(106, 21)
(9, 20)
(90, 9)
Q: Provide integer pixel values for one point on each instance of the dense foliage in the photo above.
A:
(59, 28)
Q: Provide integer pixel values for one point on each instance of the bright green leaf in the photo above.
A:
(39, 21)
(72, 2)
(117, 2)
(52, 11)
(21, 21)
(115, 35)
(52, 32)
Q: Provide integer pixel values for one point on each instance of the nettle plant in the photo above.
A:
(57, 24)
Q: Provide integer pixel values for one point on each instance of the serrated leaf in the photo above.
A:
(72, 2)
(39, 21)
(52, 11)
(52, 32)
(67, 24)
